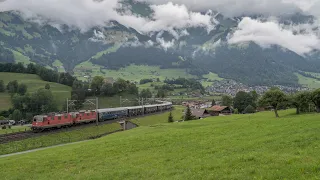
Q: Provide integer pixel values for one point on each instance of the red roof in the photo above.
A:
(218, 108)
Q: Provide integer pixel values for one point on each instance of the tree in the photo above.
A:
(249, 110)
(96, 84)
(273, 97)
(161, 93)
(133, 89)
(16, 115)
(22, 89)
(213, 102)
(236, 111)
(170, 117)
(146, 93)
(42, 101)
(301, 101)
(47, 86)
(315, 98)
(226, 101)
(12, 86)
(2, 87)
(107, 89)
(188, 115)
(243, 100)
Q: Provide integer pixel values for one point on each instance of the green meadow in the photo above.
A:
(257, 146)
(61, 92)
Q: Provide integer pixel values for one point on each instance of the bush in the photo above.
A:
(170, 118)
(249, 110)
(236, 111)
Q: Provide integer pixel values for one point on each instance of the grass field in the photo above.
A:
(59, 65)
(61, 92)
(308, 82)
(14, 129)
(255, 146)
(132, 72)
(57, 138)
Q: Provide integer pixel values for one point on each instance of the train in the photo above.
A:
(59, 120)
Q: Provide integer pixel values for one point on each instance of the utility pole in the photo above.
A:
(142, 108)
(97, 114)
(67, 105)
(120, 101)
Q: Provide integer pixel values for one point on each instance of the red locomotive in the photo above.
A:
(54, 120)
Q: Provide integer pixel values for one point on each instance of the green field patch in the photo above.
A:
(131, 73)
(58, 138)
(7, 33)
(257, 146)
(209, 78)
(60, 92)
(59, 65)
(5, 101)
(29, 49)
(14, 129)
(308, 82)
(20, 58)
(107, 51)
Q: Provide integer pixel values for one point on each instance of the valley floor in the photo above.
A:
(231, 147)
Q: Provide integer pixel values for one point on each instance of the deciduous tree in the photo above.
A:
(273, 97)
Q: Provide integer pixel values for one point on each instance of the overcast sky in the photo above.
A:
(181, 14)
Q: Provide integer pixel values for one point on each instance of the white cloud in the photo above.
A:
(85, 14)
(272, 33)
(239, 7)
(165, 44)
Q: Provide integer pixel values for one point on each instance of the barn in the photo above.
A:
(217, 110)
(200, 113)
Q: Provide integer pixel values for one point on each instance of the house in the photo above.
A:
(200, 113)
(217, 110)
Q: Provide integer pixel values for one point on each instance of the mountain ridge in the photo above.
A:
(201, 50)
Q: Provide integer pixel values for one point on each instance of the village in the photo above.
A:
(231, 88)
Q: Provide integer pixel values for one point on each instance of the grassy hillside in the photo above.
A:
(132, 72)
(309, 82)
(61, 92)
(233, 147)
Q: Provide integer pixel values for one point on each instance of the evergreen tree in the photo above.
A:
(22, 89)
(170, 118)
(213, 102)
(2, 88)
(16, 115)
(188, 115)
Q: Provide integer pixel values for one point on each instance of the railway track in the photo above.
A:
(6, 138)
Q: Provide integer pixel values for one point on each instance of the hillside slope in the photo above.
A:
(232, 147)
(33, 82)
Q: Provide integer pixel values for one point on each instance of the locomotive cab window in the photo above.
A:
(59, 117)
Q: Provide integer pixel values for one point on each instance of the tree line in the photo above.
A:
(275, 99)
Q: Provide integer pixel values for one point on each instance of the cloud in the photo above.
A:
(233, 8)
(165, 44)
(85, 14)
(272, 33)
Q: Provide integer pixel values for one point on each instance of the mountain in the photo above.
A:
(116, 46)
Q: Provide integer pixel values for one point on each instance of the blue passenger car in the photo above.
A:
(112, 113)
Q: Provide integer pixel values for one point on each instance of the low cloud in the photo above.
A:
(270, 33)
(85, 14)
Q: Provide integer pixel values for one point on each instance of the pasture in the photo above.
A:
(257, 146)
(309, 82)
(66, 136)
(60, 92)
(131, 73)
(17, 128)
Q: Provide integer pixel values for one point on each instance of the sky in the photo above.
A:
(177, 15)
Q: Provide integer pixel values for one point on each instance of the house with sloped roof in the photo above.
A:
(199, 113)
(218, 110)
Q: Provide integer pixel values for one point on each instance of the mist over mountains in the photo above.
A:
(265, 43)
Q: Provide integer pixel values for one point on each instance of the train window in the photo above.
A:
(88, 114)
(34, 120)
(59, 117)
(66, 116)
(52, 118)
